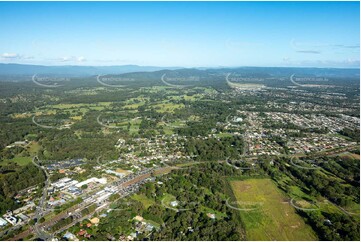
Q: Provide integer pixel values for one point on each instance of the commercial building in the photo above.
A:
(93, 179)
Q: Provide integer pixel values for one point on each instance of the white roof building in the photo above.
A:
(3, 222)
(93, 179)
(10, 219)
(119, 174)
(101, 199)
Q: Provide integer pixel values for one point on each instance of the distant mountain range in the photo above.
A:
(75, 71)
(19, 70)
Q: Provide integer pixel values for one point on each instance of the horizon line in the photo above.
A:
(182, 67)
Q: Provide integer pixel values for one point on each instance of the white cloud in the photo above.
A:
(10, 56)
(347, 63)
(14, 56)
(70, 59)
(317, 48)
(81, 59)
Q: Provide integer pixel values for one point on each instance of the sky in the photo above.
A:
(187, 34)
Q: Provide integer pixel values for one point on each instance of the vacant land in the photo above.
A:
(143, 199)
(34, 147)
(22, 161)
(274, 218)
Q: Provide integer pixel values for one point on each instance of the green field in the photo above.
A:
(76, 110)
(186, 97)
(78, 105)
(22, 161)
(274, 218)
(144, 200)
(34, 148)
(167, 107)
(222, 135)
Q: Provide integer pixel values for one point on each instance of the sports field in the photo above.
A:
(271, 217)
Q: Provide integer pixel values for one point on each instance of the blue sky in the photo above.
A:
(189, 34)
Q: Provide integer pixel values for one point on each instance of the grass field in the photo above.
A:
(274, 218)
(134, 105)
(78, 105)
(34, 147)
(143, 199)
(222, 135)
(22, 161)
(167, 107)
(134, 126)
(186, 97)
(76, 110)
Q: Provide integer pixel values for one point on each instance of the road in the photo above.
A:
(125, 184)
(121, 186)
(40, 208)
